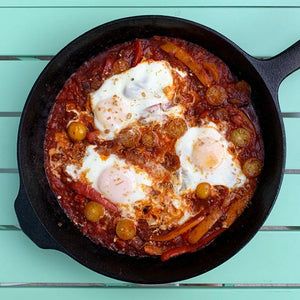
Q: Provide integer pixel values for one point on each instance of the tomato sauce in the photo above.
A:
(209, 92)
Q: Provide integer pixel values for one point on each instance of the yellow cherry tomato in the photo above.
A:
(77, 131)
(240, 137)
(216, 95)
(93, 211)
(176, 128)
(126, 229)
(149, 139)
(130, 137)
(252, 167)
(203, 190)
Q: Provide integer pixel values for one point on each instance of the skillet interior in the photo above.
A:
(31, 158)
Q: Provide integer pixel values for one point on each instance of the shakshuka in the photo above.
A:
(153, 147)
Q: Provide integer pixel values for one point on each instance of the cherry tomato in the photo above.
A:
(120, 66)
(126, 229)
(77, 131)
(252, 167)
(93, 211)
(176, 128)
(216, 95)
(130, 137)
(149, 139)
(240, 137)
(244, 90)
(203, 190)
(171, 162)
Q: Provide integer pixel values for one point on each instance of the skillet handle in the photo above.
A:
(275, 69)
(30, 224)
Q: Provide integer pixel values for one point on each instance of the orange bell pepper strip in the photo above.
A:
(153, 250)
(179, 230)
(247, 121)
(190, 248)
(212, 68)
(201, 229)
(198, 69)
(235, 209)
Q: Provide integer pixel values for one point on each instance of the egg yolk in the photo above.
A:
(116, 184)
(207, 153)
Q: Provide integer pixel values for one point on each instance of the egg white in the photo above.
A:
(144, 94)
(133, 94)
(225, 170)
(130, 190)
(106, 175)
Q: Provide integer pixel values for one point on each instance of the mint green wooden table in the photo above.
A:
(31, 32)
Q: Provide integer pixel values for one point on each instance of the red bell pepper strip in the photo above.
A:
(108, 63)
(177, 251)
(190, 248)
(137, 53)
(93, 135)
(206, 240)
(90, 193)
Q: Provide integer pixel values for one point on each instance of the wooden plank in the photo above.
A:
(9, 187)
(8, 139)
(24, 73)
(254, 32)
(148, 293)
(19, 77)
(286, 210)
(153, 3)
(270, 257)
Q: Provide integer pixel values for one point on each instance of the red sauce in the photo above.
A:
(228, 102)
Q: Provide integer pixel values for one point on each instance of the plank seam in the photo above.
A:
(9, 170)
(290, 114)
(10, 114)
(150, 6)
(141, 286)
(292, 171)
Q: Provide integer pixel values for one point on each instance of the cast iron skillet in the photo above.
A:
(41, 217)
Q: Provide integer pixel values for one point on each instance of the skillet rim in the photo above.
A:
(158, 18)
